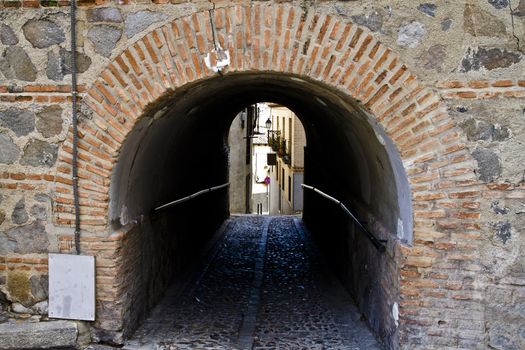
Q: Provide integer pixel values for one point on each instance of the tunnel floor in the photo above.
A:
(264, 285)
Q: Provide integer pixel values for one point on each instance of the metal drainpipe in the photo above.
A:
(74, 122)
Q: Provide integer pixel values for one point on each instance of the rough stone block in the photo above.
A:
(49, 121)
(19, 215)
(39, 153)
(25, 239)
(44, 335)
(104, 14)
(20, 309)
(138, 21)
(83, 62)
(54, 68)
(488, 58)
(372, 20)
(39, 287)
(17, 64)
(9, 152)
(43, 33)
(411, 34)
(482, 23)
(20, 121)
(7, 35)
(489, 167)
(17, 288)
(104, 38)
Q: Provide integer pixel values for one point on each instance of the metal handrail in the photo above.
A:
(191, 196)
(375, 241)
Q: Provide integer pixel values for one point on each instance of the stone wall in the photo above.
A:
(299, 142)
(461, 280)
(238, 169)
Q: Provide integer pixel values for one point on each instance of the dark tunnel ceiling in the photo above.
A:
(339, 136)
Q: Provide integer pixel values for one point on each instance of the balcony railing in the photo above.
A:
(274, 140)
(279, 146)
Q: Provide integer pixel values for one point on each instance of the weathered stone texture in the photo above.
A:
(17, 64)
(505, 312)
(372, 20)
(479, 22)
(39, 287)
(411, 34)
(20, 121)
(42, 197)
(434, 57)
(20, 309)
(41, 308)
(138, 21)
(19, 215)
(497, 209)
(488, 58)
(9, 152)
(489, 167)
(104, 14)
(54, 67)
(43, 33)
(104, 38)
(494, 125)
(7, 35)
(52, 334)
(428, 8)
(503, 231)
(83, 62)
(26, 239)
(446, 24)
(520, 9)
(17, 286)
(478, 130)
(49, 121)
(499, 4)
(39, 153)
(39, 212)
(504, 217)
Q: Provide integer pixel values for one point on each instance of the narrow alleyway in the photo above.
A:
(263, 286)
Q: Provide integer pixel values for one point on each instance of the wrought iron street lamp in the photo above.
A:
(268, 124)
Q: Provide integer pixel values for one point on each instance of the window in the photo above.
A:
(282, 177)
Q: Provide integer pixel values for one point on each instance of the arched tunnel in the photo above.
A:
(180, 147)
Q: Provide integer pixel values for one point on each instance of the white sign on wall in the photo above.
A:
(72, 287)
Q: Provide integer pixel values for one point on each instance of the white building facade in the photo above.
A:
(287, 139)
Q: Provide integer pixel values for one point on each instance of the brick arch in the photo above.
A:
(327, 49)
(273, 38)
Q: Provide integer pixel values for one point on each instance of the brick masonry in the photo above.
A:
(460, 282)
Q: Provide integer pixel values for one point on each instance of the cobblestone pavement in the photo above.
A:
(263, 287)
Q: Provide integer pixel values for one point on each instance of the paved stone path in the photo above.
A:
(264, 286)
